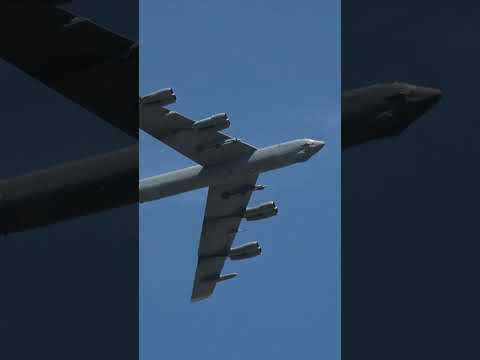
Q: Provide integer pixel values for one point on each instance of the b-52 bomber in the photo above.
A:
(229, 167)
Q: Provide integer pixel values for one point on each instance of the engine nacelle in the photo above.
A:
(215, 122)
(245, 251)
(162, 97)
(261, 211)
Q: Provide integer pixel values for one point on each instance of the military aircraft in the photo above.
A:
(383, 110)
(93, 67)
(229, 167)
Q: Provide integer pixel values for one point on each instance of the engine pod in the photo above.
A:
(261, 211)
(245, 251)
(162, 97)
(215, 122)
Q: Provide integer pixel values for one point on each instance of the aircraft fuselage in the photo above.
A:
(69, 190)
(196, 177)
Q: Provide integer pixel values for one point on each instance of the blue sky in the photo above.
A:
(275, 69)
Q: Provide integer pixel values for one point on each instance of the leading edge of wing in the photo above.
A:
(201, 141)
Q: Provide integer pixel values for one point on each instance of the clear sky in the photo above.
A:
(274, 67)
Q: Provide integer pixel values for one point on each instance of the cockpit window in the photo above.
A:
(401, 95)
(307, 144)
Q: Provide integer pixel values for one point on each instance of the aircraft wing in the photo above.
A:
(206, 146)
(220, 225)
(90, 65)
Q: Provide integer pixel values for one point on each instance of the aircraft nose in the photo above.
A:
(435, 94)
(426, 98)
(432, 95)
(318, 145)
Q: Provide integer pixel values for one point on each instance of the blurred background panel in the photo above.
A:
(409, 203)
(69, 288)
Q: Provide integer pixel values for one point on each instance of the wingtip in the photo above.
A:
(199, 298)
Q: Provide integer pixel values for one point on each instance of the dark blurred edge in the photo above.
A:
(410, 204)
(69, 290)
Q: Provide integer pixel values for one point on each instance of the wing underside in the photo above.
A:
(205, 147)
(220, 225)
(226, 203)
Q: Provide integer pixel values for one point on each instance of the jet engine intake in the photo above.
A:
(245, 251)
(261, 211)
(162, 97)
(215, 122)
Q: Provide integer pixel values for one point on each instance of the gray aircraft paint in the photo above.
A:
(229, 167)
(196, 177)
